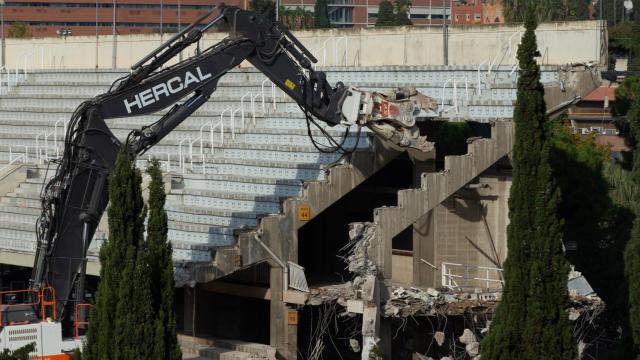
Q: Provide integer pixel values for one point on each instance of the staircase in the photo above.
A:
(229, 187)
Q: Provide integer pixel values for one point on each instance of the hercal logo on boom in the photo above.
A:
(171, 86)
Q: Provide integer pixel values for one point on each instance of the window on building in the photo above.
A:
(478, 17)
(596, 129)
(457, 18)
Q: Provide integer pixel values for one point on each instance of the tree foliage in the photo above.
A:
(161, 266)
(394, 14)
(624, 42)
(321, 15)
(296, 19)
(18, 354)
(266, 8)
(599, 224)
(628, 94)
(402, 12)
(134, 318)
(19, 30)
(530, 321)
(546, 10)
(386, 17)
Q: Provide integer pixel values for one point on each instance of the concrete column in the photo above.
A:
(189, 308)
(424, 248)
(282, 335)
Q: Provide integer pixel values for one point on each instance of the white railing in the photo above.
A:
(230, 110)
(15, 158)
(233, 118)
(253, 109)
(273, 95)
(38, 152)
(454, 94)
(181, 161)
(9, 78)
(340, 54)
(30, 58)
(167, 164)
(478, 81)
(464, 278)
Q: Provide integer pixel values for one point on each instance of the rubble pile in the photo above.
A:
(414, 301)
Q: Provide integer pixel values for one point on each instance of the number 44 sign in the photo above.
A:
(304, 213)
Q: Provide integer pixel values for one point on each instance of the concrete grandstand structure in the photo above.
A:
(241, 172)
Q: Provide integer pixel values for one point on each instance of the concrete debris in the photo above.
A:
(578, 285)
(412, 301)
(446, 358)
(439, 337)
(473, 349)
(468, 337)
(355, 345)
(573, 314)
(339, 293)
(357, 249)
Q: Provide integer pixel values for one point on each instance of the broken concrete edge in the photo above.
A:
(276, 230)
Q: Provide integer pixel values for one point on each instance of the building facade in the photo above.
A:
(364, 13)
(86, 17)
(592, 116)
(474, 12)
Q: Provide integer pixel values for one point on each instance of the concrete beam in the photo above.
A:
(255, 292)
(26, 260)
(435, 188)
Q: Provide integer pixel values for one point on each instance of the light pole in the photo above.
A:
(96, 34)
(2, 25)
(115, 44)
(161, 8)
(179, 29)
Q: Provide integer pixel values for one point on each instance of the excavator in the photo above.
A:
(75, 198)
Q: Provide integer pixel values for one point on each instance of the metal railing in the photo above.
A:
(470, 276)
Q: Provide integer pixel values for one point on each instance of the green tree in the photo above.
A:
(530, 321)
(18, 354)
(628, 95)
(546, 10)
(266, 8)
(19, 30)
(402, 12)
(321, 15)
(624, 42)
(121, 324)
(296, 19)
(386, 17)
(161, 265)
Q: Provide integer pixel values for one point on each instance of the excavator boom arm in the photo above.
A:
(76, 196)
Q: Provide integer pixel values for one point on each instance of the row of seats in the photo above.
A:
(226, 183)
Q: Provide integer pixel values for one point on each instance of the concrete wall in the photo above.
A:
(466, 225)
(560, 43)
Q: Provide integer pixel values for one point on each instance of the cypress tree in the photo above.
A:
(530, 321)
(321, 15)
(386, 17)
(161, 266)
(121, 325)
